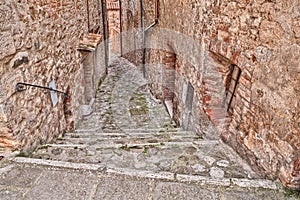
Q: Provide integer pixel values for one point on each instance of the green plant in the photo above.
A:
(291, 193)
(145, 150)
(22, 154)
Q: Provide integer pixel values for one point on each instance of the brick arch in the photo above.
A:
(219, 89)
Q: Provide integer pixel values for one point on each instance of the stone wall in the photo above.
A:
(113, 18)
(258, 37)
(131, 24)
(38, 44)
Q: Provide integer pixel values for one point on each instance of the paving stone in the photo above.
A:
(22, 177)
(199, 168)
(223, 163)
(164, 191)
(117, 188)
(10, 195)
(259, 195)
(209, 160)
(63, 184)
(216, 172)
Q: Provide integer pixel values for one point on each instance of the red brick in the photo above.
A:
(244, 95)
(245, 82)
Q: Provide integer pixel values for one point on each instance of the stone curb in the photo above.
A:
(52, 163)
(202, 180)
(142, 174)
(162, 175)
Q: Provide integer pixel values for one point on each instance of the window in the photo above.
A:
(231, 87)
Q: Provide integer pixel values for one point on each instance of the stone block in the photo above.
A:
(73, 185)
(19, 59)
(7, 46)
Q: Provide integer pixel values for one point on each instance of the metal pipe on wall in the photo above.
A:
(104, 23)
(88, 15)
(121, 29)
(143, 37)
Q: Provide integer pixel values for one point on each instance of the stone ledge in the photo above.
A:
(203, 180)
(267, 184)
(142, 174)
(161, 175)
(60, 164)
(90, 42)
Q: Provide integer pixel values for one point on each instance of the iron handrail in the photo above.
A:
(20, 88)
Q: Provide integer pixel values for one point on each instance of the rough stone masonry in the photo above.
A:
(39, 43)
(237, 63)
(236, 69)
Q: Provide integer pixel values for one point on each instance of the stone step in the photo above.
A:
(110, 154)
(128, 135)
(233, 187)
(145, 155)
(152, 130)
(130, 139)
(136, 130)
(93, 137)
(111, 145)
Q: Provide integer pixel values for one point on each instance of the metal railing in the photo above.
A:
(22, 86)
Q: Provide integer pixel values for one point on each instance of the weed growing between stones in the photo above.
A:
(291, 193)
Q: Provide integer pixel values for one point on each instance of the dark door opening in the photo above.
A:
(169, 74)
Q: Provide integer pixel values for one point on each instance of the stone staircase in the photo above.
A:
(168, 156)
(166, 149)
(131, 139)
(152, 149)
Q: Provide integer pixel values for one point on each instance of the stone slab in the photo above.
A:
(164, 191)
(114, 187)
(62, 184)
(6, 194)
(21, 177)
(259, 183)
(62, 164)
(265, 195)
(203, 180)
(140, 173)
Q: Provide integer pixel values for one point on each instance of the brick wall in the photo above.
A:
(38, 44)
(261, 38)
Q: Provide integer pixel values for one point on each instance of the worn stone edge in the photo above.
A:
(202, 180)
(60, 164)
(162, 175)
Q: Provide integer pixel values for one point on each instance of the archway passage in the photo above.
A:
(169, 75)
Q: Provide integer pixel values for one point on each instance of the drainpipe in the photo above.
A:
(156, 16)
(88, 15)
(121, 29)
(144, 31)
(103, 7)
(143, 37)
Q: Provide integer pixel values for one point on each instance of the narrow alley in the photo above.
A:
(156, 99)
(129, 148)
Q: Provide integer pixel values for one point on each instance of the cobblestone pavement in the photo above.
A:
(129, 148)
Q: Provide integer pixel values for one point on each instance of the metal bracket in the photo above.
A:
(21, 87)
